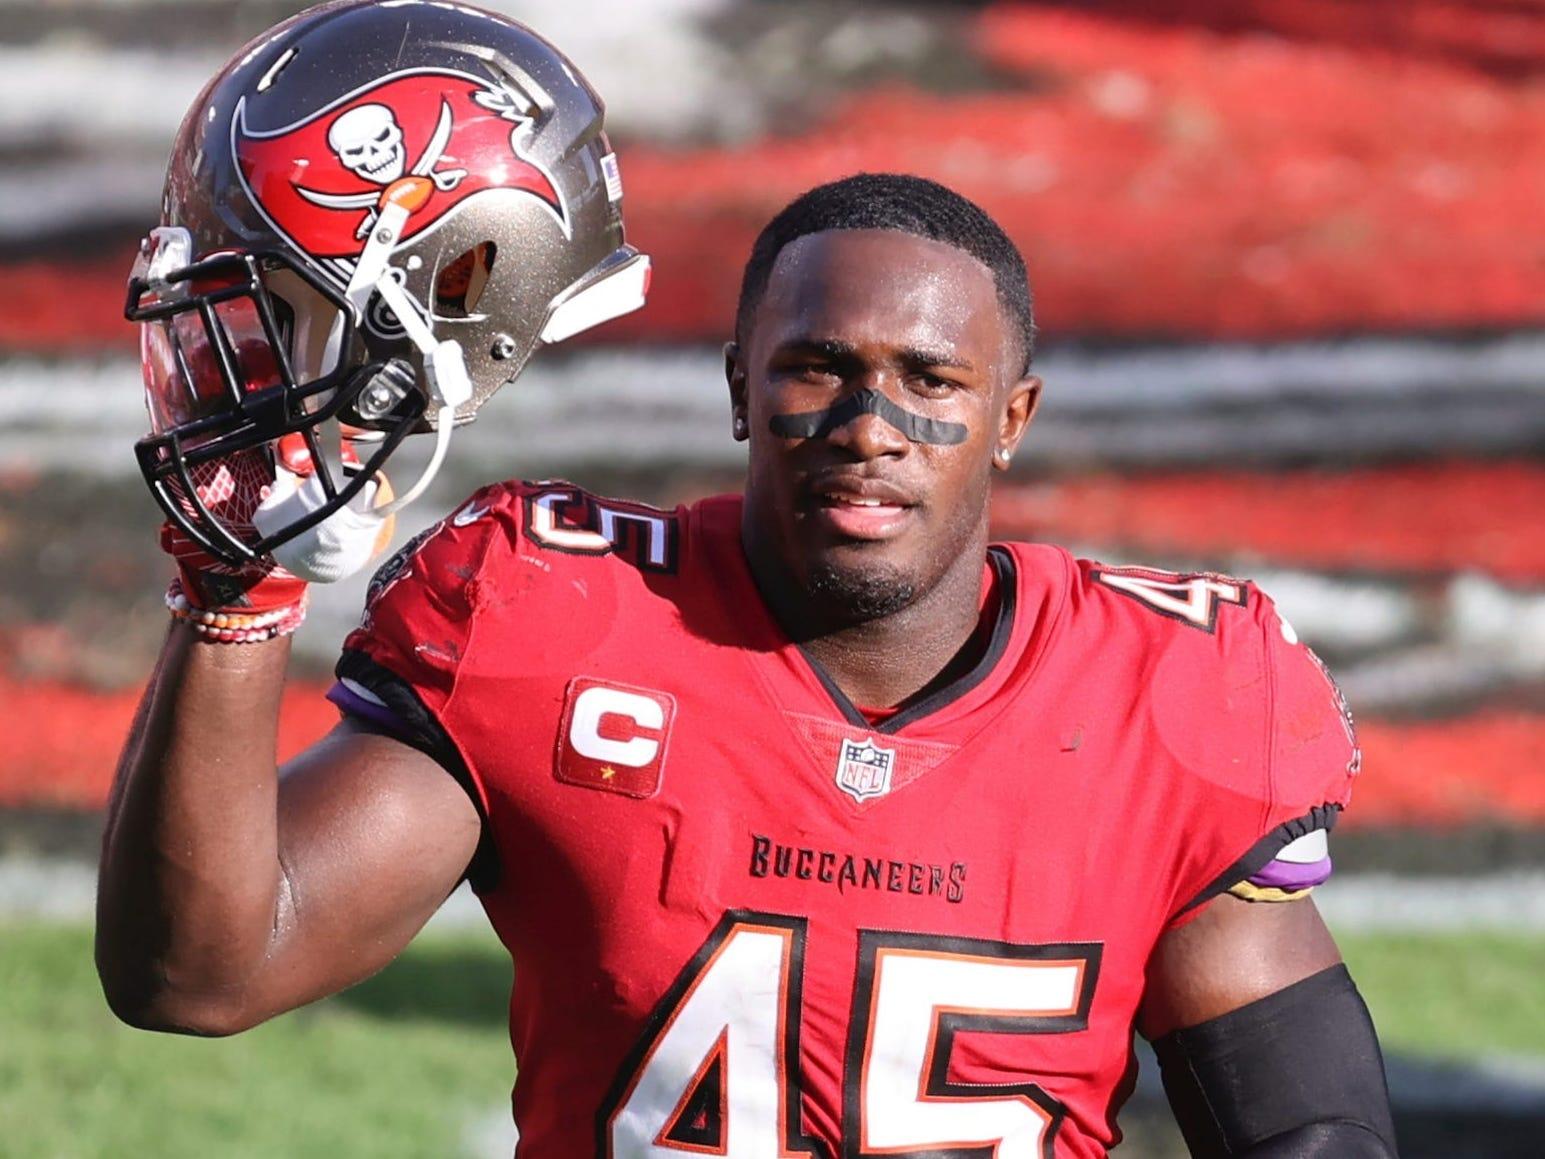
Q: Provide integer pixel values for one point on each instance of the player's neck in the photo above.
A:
(880, 663)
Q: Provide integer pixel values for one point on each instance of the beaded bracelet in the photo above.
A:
(235, 627)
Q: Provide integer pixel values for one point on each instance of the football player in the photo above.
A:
(817, 824)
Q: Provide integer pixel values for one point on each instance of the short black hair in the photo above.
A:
(907, 204)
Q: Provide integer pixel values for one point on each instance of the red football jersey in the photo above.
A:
(749, 922)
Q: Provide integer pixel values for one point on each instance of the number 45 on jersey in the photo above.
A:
(718, 1072)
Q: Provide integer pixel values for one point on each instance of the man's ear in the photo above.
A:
(1018, 413)
(735, 375)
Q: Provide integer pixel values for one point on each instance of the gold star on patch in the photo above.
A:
(607, 773)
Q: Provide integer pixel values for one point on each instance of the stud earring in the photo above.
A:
(739, 427)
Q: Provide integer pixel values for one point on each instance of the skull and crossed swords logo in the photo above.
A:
(424, 139)
(368, 141)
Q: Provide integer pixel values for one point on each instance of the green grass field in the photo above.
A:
(402, 1064)
(395, 1067)
(1453, 995)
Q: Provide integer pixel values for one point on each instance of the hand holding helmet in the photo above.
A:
(355, 247)
(220, 599)
(266, 596)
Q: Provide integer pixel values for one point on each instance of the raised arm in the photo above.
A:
(1266, 1048)
(231, 891)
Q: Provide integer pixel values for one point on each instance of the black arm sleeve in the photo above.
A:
(1296, 1075)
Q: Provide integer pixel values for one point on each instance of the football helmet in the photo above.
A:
(373, 214)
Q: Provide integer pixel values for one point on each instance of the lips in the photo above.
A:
(853, 507)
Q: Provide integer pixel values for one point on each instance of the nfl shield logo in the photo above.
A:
(864, 770)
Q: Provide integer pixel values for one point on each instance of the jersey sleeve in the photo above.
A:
(1314, 757)
(1311, 759)
(399, 668)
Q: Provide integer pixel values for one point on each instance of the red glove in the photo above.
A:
(231, 489)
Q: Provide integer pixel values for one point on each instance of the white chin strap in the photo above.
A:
(445, 369)
(334, 549)
(347, 540)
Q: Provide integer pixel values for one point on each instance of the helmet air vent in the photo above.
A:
(461, 283)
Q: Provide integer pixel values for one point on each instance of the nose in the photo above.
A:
(868, 436)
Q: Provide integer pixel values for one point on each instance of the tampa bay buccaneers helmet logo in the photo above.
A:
(425, 138)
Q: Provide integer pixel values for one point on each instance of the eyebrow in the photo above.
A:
(918, 358)
(911, 357)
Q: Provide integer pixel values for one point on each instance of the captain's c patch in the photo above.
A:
(613, 737)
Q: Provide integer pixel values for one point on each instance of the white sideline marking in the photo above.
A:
(489, 1134)
(1385, 903)
(461, 911)
(52, 889)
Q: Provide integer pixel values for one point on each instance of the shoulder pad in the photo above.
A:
(1234, 690)
(1315, 753)
(1191, 598)
(419, 604)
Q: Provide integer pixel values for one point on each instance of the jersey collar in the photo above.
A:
(797, 682)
